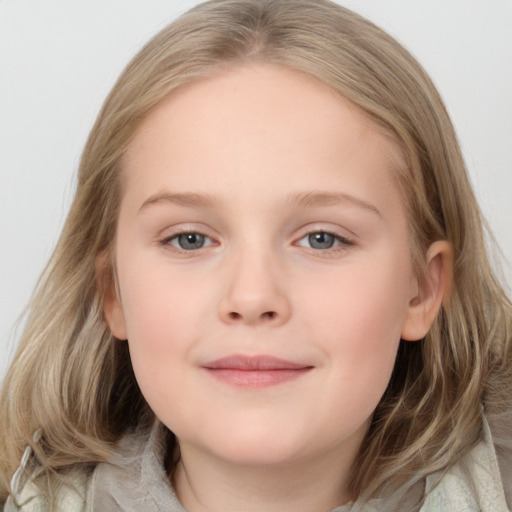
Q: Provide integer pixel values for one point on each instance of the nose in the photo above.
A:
(255, 292)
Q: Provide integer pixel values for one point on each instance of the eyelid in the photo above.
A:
(183, 228)
(340, 233)
(340, 238)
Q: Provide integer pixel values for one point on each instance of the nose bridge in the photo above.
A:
(255, 291)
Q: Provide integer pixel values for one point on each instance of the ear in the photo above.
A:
(431, 293)
(112, 307)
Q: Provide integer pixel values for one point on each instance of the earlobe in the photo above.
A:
(114, 316)
(112, 307)
(431, 293)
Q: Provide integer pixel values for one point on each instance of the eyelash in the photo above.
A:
(166, 242)
(341, 243)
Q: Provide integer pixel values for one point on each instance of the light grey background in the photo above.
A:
(58, 59)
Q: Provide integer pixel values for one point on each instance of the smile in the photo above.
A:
(254, 371)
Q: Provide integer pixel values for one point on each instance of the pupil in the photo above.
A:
(321, 240)
(191, 241)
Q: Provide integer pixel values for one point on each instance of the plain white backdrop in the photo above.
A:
(58, 60)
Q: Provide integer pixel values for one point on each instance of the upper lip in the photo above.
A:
(253, 363)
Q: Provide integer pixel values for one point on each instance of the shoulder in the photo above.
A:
(136, 478)
(500, 423)
(474, 484)
(133, 479)
(71, 491)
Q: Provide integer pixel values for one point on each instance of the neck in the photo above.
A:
(205, 484)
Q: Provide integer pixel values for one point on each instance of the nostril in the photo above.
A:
(267, 315)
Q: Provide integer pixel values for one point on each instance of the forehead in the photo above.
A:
(246, 125)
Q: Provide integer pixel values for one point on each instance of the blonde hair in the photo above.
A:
(71, 378)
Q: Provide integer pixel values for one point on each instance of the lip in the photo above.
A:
(255, 371)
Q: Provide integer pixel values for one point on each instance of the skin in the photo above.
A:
(261, 148)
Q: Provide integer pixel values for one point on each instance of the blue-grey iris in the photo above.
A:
(191, 241)
(321, 240)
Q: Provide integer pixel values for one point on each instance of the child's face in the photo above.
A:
(260, 219)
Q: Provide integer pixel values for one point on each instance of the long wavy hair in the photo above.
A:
(71, 378)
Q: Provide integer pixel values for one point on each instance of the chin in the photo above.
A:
(259, 444)
(254, 453)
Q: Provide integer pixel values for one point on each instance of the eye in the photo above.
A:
(191, 241)
(322, 240)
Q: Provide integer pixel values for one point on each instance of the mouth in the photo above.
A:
(254, 371)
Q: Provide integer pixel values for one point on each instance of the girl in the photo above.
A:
(271, 292)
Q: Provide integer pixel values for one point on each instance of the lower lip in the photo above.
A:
(256, 378)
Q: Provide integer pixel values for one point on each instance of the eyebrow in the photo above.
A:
(309, 199)
(317, 198)
(188, 199)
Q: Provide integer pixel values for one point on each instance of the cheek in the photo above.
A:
(366, 301)
(361, 314)
(160, 315)
(160, 337)
(158, 298)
